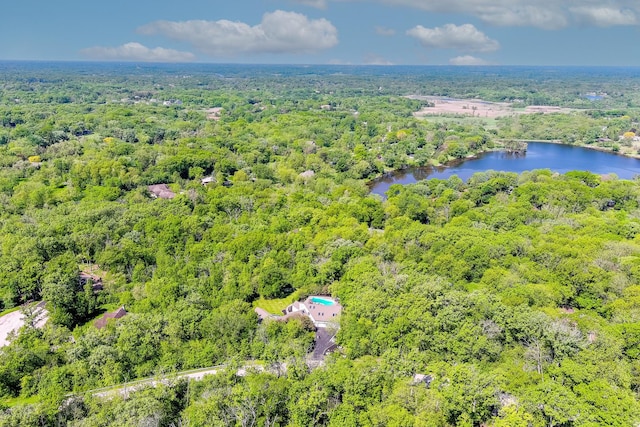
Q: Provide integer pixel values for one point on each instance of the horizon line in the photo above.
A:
(301, 64)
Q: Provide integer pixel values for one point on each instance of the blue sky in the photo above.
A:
(431, 32)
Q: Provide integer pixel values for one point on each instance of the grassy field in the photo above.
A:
(19, 401)
(275, 306)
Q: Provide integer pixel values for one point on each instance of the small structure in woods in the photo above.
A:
(95, 281)
(161, 191)
(102, 322)
(425, 379)
(567, 309)
(323, 311)
(214, 113)
(263, 314)
(320, 309)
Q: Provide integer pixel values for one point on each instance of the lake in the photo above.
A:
(557, 157)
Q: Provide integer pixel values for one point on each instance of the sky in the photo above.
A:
(376, 32)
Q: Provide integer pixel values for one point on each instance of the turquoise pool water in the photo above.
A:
(322, 301)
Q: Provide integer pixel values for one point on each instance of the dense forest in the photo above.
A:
(506, 300)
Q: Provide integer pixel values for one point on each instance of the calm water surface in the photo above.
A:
(539, 155)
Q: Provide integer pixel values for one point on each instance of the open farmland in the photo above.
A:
(443, 106)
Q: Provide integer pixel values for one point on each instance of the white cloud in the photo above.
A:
(464, 37)
(467, 60)
(319, 4)
(137, 52)
(537, 13)
(546, 14)
(384, 31)
(279, 32)
(372, 59)
(524, 16)
(605, 16)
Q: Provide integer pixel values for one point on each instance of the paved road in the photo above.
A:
(15, 320)
(322, 343)
(196, 375)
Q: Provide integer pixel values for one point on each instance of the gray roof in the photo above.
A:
(102, 322)
(162, 191)
(323, 313)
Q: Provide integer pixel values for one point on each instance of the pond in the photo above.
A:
(557, 157)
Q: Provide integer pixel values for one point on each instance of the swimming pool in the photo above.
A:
(322, 301)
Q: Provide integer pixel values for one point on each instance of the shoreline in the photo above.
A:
(439, 166)
(588, 146)
(448, 164)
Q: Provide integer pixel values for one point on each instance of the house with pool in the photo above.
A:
(322, 310)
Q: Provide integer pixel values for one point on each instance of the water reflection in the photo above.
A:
(557, 157)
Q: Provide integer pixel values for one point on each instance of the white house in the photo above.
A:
(320, 309)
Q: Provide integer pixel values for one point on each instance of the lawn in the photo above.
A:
(15, 401)
(275, 306)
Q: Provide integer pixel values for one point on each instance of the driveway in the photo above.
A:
(15, 320)
(322, 343)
